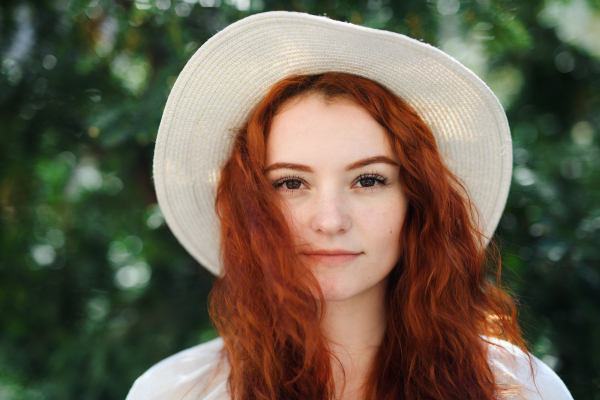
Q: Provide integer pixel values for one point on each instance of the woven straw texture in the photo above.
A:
(229, 75)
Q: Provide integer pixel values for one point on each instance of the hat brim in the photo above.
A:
(232, 72)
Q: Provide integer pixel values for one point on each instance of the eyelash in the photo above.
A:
(379, 178)
(278, 184)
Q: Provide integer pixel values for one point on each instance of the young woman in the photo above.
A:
(354, 211)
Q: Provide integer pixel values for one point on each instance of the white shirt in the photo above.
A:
(193, 374)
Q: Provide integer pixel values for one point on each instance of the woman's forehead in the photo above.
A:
(313, 131)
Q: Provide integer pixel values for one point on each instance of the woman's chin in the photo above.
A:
(335, 289)
(338, 289)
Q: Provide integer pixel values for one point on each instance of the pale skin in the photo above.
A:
(339, 180)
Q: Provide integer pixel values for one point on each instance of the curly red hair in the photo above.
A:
(440, 298)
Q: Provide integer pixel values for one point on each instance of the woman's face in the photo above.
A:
(334, 169)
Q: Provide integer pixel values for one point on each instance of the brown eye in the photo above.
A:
(293, 185)
(367, 182)
(371, 181)
(289, 183)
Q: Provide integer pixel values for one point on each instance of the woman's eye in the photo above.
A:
(289, 183)
(368, 181)
(292, 185)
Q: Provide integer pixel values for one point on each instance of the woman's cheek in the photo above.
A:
(297, 216)
(382, 223)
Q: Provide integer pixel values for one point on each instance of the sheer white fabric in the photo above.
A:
(511, 367)
(194, 373)
(197, 373)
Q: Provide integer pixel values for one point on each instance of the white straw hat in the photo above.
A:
(232, 72)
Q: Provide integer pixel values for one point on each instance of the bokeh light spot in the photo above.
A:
(93, 131)
(55, 238)
(43, 254)
(182, 9)
(133, 276)
(98, 307)
(582, 133)
(134, 244)
(113, 185)
(215, 3)
(117, 252)
(564, 62)
(524, 176)
(448, 7)
(49, 62)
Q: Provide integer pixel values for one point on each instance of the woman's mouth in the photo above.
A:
(331, 257)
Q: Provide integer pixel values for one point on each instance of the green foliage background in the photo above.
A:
(94, 289)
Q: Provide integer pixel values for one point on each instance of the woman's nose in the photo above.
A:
(330, 215)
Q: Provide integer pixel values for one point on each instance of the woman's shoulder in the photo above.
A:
(195, 373)
(512, 367)
(198, 373)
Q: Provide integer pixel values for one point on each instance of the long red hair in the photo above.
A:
(440, 298)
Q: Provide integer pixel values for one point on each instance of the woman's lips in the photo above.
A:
(331, 257)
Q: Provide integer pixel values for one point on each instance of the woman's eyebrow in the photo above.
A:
(371, 160)
(296, 167)
(354, 165)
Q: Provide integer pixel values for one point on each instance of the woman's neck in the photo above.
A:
(355, 328)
